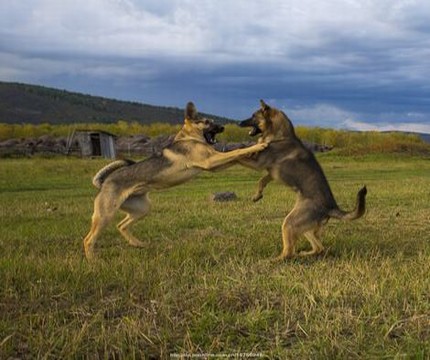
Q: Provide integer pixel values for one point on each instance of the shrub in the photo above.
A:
(348, 142)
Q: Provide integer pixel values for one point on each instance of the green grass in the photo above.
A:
(204, 283)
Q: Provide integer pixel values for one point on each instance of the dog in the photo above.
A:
(287, 160)
(125, 184)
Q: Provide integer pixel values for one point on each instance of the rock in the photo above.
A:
(46, 140)
(224, 196)
(9, 143)
(156, 145)
(140, 139)
(138, 145)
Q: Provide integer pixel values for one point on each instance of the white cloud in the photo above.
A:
(323, 115)
(407, 127)
(299, 34)
(97, 27)
(276, 28)
(354, 50)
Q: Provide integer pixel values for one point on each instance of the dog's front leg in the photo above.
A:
(221, 159)
(262, 183)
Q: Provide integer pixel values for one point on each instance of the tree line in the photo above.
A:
(348, 141)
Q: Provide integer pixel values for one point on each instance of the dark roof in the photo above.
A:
(94, 131)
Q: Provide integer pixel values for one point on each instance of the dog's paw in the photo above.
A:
(260, 146)
(136, 243)
(283, 257)
(311, 253)
(279, 259)
(257, 197)
(252, 151)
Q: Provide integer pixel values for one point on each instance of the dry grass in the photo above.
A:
(205, 284)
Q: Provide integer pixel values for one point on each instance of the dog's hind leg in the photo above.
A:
(313, 237)
(262, 183)
(301, 220)
(104, 211)
(289, 238)
(136, 208)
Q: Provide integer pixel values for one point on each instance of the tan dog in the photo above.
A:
(125, 185)
(287, 160)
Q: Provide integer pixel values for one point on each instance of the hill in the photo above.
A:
(33, 104)
(424, 137)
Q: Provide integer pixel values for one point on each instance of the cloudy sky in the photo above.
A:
(357, 64)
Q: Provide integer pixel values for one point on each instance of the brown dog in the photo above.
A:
(287, 160)
(125, 185)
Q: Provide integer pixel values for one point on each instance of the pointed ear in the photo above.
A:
(190, 111)
(264, 106)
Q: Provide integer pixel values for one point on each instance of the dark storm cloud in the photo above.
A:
(340, 63)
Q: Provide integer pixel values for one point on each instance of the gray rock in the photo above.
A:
(224, 196)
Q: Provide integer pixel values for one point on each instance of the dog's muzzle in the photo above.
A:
(250, 123)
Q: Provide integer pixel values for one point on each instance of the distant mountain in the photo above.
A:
(33, 104)
(425, 137)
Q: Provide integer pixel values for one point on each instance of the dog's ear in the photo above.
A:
(190, 111)
(264, 106)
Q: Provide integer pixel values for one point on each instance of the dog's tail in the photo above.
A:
(104, 172)
(358, 212)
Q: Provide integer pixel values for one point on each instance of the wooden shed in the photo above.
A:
(92, 143)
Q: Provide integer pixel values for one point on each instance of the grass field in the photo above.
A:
(204, 283)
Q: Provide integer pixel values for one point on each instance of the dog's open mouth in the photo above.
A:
(210, 134)
(210, 138)
(255, 130)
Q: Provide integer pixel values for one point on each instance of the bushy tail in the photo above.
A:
(104, 172)
(358, 212)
